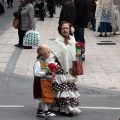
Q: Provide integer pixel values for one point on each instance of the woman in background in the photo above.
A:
(104, 17)
(26, 21)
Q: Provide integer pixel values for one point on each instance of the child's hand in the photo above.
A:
(78, 54)
(47, 72)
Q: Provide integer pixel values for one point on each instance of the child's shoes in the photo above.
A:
(40, 113)
(49, 114)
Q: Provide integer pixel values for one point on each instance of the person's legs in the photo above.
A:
(8, 2)
(39, 110)
(21, 34)
(11, 2)
(100, 34)
(41, 14)
(44, 107)
(105, 34)
(50, 11)
(79, 34)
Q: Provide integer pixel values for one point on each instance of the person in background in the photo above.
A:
(10, 2)
(63, 53)
(104, 17)
(2, 10)
(68, 12)
(81, 22)
(41, 73)
(50, 5)
(41, 9)
(26, 21)
(92, 9)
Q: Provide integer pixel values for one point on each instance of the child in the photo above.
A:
(43, 92)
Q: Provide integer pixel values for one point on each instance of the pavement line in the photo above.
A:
(99, 108)
(12, 62)
(11, 106)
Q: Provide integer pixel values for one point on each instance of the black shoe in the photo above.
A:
(105, 35)
(27, 47)
(51, 17)
(11, 5)
(16, 45)
(114, 34)
(8, 7)
(100, 35)
(40, 113)
(19, 45)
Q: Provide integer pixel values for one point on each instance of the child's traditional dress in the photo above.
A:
(42, 87)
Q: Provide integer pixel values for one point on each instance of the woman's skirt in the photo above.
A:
(66, 93)
(104, 27)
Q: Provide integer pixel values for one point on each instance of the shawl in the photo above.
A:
(65, 53)
(104, 12)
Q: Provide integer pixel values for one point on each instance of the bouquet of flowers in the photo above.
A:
(52, 67)
(80, 47)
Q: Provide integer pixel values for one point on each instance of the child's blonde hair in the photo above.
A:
(42, 49)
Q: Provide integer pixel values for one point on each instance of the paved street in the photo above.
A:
(99, 86)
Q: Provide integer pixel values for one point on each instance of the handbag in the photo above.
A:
(16, 23)
(77, 68)
(31, 38)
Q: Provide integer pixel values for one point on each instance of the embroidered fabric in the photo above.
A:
(104, 12)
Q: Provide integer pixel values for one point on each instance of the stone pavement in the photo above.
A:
(101, 67)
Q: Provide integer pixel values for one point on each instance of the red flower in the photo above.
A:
(80, 44)
(52, 67)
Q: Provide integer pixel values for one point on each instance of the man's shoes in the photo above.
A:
(49, 114)
(51, 17)
(8, 7)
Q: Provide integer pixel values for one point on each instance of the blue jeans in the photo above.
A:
(79, 34)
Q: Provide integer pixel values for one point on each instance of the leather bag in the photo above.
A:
(16, 23)
(77, 67)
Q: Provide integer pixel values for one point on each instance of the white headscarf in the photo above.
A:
(104, 12)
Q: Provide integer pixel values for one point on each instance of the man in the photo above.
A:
(68, 12)
(82, 8)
